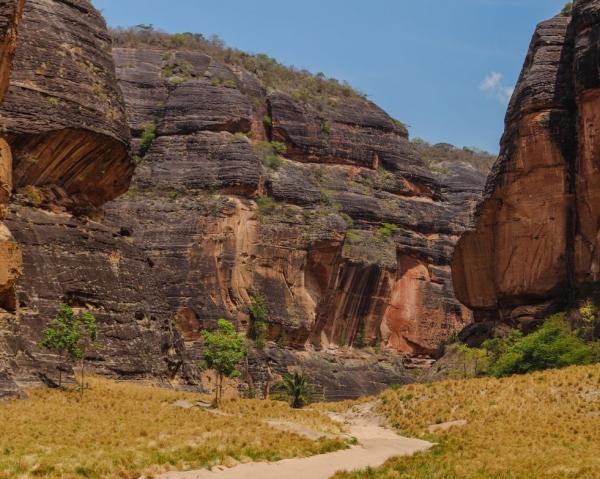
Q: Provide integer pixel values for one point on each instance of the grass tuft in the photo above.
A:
(123, 430)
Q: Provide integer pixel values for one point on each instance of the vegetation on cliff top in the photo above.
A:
(300, 83)
(435, 155)
(566, 10)
(539, 425)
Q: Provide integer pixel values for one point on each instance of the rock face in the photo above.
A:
(536, 233)
(63, 113)
(316, 202)
(325, 210)
(67, 151)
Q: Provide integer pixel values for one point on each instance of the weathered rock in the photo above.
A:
(229, 164)
(350, 131)
(333, 376)
(536, 233)
(10, 16)
(86, 265)
(220, 227)
(63, 113)
(68, 152)
(199, 105)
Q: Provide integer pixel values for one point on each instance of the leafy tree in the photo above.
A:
(566, 10)
(223, 351)
(72, 336)
(296, 386)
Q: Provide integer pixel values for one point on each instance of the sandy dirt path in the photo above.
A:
(376, 444)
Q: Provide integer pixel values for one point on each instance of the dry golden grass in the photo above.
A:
(122, 430)
(539, 426)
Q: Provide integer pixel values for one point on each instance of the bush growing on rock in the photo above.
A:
(270, 153)
(387, 230)
(265, 205)
(566, 10)
(148, 136)
(259, 314)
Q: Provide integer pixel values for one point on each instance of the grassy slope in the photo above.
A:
(121, 429)
(542, 425)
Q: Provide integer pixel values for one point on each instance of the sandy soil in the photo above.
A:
(376, 444)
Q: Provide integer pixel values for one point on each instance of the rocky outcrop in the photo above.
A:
(315, 200)
(536, 234)
(10, 16)
(67, 152)
(63, 113)
(85, 264)
(326, 210)
(10, 254)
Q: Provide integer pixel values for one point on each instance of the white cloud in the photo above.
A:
(494, 87)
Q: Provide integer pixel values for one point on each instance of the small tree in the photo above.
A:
(223, 351)
(72, 336)
(296, 386)
(566, 10)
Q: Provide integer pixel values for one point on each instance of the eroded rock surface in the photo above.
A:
(344, 231)
(63, 113)
(536, 233)
(66, 152)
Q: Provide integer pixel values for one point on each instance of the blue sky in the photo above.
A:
(444, 67)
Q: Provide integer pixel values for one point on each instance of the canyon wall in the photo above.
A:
(310, 197)
(316, 201)
(535, 238)
(68, 141)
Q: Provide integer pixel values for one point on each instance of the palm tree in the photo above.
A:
(296, 386)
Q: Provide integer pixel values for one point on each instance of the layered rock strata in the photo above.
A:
(67, 152)
(325, 210)
(535, 239)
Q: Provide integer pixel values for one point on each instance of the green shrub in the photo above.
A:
(266, 205)
(589, 320)
(273, 161)
(326, 127)
(267, 121)
(270, 153)
(387, 230)
(326, 196)
(347, 219)
(71, 336)
(352, 236)
(554, 345)
(148, 136)
(567, 9)
(32, 194)
(259, 315)
(470, 363)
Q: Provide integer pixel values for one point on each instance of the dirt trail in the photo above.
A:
(376, 444)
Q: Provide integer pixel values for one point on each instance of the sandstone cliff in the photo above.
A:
(64, 120)
(252, 180)
(309, 195)
(536, 234)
